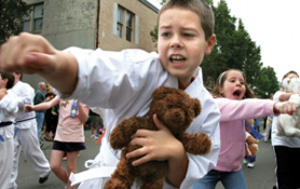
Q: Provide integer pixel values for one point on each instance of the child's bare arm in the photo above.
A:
(161, 145)
(42, 106)
(33, 54)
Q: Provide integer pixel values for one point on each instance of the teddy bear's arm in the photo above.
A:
(199, 144)
(121, 135)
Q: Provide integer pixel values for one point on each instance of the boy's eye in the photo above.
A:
(188, 35)
(165, 34)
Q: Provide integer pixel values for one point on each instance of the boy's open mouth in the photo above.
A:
(177, 58)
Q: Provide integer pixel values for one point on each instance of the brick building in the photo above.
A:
(106, 24)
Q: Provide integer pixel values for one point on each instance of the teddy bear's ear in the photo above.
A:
(197, 107)
(161, 92)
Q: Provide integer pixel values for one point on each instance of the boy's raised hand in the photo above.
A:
(30, 54)
(27, 53)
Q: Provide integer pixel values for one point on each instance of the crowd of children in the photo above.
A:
(121, 84)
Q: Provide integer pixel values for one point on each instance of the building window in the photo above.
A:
(38, 17)
(124, 24)
(33, 20)
(129, 17)
(120, 22)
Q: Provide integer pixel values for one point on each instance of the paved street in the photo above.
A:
(260, 177)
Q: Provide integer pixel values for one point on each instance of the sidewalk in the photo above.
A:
(28, 178)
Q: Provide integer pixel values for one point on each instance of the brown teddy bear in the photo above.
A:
(176, 110)
(251, 146)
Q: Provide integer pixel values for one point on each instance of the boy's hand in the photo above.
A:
(30, 54)
(27, 53)
(284, 107)
(161, 145)
(155, 145)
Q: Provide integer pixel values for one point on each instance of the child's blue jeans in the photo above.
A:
(232, 180)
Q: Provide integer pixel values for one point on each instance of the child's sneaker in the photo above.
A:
(245, 161)
(92, 136)
(251, 165)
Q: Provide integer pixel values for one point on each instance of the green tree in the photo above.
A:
(267, 84)
(11, 14)
(217, 61)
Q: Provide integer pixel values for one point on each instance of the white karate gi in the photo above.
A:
(121, 83)
(8, 110)
(26, 137)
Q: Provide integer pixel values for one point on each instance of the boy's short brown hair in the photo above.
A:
(290, 72)
(200, 7)
(10, 79)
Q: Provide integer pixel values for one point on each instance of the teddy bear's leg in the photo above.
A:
(121, 178)
(154, 184)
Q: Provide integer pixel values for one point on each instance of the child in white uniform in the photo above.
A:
(8, 110)
(121, 84)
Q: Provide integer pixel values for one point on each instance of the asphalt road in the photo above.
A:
(259, 177)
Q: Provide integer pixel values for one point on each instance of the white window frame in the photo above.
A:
(117, 23)
(32, 18)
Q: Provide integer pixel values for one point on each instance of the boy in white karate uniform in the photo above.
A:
(121, 84)
(8, 110)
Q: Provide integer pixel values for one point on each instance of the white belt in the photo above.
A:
(99, 172)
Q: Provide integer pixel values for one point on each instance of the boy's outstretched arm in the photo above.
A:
(33, 54)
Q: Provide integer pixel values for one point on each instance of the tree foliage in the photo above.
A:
(11, 14)
(235, 49)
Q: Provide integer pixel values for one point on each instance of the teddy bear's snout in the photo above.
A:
(175, 116)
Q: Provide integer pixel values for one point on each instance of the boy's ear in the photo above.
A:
(210, 44)
(5, 80)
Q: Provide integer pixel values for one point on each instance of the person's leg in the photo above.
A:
(6, 160)
(251, 161)
(209, 181)
(283, 167)
(55, 164)
(234, 180)
(40, 120)
(32, 151)
(295, 156)
(71, 165)
(17, 151)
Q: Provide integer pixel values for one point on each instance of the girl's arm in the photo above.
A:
(252, 108)
(83, 112)
(42, 106)
(244, 109)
